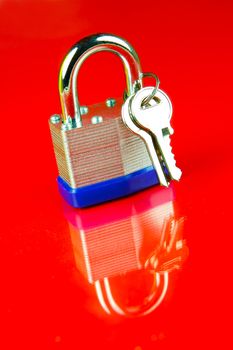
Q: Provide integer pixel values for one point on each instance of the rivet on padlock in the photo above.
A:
(98, 158)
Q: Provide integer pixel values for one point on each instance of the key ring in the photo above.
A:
(157, 82)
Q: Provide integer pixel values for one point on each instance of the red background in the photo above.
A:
(189, 45)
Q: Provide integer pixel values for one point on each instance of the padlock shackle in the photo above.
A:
(80, 52)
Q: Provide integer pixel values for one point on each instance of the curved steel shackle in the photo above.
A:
(78, 54)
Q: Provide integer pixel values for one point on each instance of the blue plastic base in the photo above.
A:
(108, 190)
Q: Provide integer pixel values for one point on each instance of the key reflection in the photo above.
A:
(126, 249)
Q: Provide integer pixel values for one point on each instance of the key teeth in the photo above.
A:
(178, 172)
(168, 140)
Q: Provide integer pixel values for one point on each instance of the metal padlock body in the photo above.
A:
(104, 161)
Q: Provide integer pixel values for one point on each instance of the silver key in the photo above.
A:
(152, 124)
(128, 121)
(156, 120)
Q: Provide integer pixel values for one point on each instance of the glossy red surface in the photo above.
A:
(45, 302)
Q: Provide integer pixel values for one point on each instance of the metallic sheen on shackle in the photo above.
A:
(78, 54)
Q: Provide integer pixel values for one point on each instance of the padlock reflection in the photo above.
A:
(127, 249)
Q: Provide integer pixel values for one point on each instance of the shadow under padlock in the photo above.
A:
(128, 252)
(98, 158)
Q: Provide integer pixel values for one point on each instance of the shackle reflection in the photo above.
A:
(127, 248)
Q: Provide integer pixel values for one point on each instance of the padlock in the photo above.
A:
(98, 158)
(138, 238)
